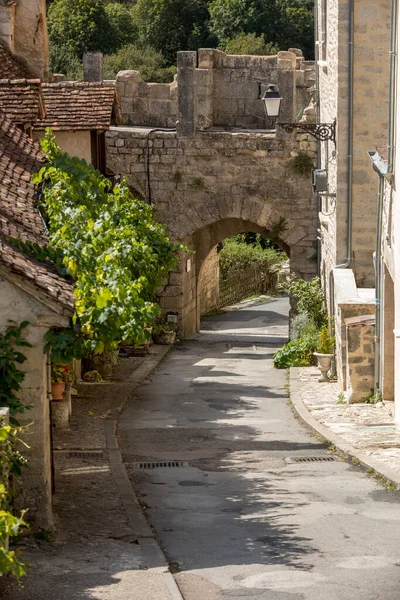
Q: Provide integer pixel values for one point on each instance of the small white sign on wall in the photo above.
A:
(188, 265)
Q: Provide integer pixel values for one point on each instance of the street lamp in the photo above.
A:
(320, 131)
(272, 103)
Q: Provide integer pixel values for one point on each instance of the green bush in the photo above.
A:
(250, 43)
(310, 300)
(139, 57)
(295, 354)
(326, 342)
(237, 256)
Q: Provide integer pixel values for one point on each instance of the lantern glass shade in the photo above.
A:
(272, 101)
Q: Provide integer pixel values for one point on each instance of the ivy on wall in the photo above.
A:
(112, 247)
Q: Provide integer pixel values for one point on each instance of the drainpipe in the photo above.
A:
(49, 398)
(381, 167)
(318, 115)
(349, 228)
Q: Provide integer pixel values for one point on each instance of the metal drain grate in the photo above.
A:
(306, 459)
(85, 454)
(160, 464)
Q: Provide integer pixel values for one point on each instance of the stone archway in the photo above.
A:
(214, 184)
(182, 292)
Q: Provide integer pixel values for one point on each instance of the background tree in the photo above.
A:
(140, 57)
(250, 43)
(172, 25)
(285, 23)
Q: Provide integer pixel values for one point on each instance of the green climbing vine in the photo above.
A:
(112, 247)
(11, 376)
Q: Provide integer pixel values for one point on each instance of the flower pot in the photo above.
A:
(164, 338)
(57, 390)
(324, 365)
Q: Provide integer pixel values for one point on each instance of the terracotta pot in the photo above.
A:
(164, 338)
(57, 390)
(324, 365)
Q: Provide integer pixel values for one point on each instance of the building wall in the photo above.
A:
(35, 494)
(76, 143)
(208, 287)
(30, 36)
(371, 46)
(227, 90)
(7, 22)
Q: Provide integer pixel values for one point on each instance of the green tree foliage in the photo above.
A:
(236, 256)
(284, 23)
(11, 376)
(250, 43)
(172, 25)
(139, 57)
(113, 248)
(310, 300)
(121, 23)
(78, 26)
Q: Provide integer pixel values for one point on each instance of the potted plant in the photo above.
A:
(164, 333)
(324, 353)
(60, 376)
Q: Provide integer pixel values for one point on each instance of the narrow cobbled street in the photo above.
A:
(245, 502)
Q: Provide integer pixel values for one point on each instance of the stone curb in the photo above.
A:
(151, 551)
(305, 415)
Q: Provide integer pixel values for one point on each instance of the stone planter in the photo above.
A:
(57, 390)
(60, 414)
(324, 365)
(164, 338)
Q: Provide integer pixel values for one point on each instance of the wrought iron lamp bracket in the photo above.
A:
(320, 131)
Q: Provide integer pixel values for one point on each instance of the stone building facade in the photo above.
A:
(31, 291)
(352, 88)
(352, 75)
(220, 171)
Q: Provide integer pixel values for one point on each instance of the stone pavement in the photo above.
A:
(103, 549)
(364, 431)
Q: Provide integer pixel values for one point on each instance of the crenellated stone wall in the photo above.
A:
(223, 91)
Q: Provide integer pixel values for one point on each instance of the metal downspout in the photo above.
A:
(317, 111)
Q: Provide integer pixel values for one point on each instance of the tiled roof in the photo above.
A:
(21, 100)
(10, 66)
(20, 157)
(72, 105)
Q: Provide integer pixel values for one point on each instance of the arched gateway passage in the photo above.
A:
(215, 184)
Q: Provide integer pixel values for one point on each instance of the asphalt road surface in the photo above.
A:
(240, 516)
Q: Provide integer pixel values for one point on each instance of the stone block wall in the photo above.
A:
(208, 287)
(349, 302)
(360, 358)
(223, 91)
(148, 104)
(36, 492)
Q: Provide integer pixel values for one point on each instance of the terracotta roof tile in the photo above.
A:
(20, 157)
(21, 100)
(72, 105)
(10, 66)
